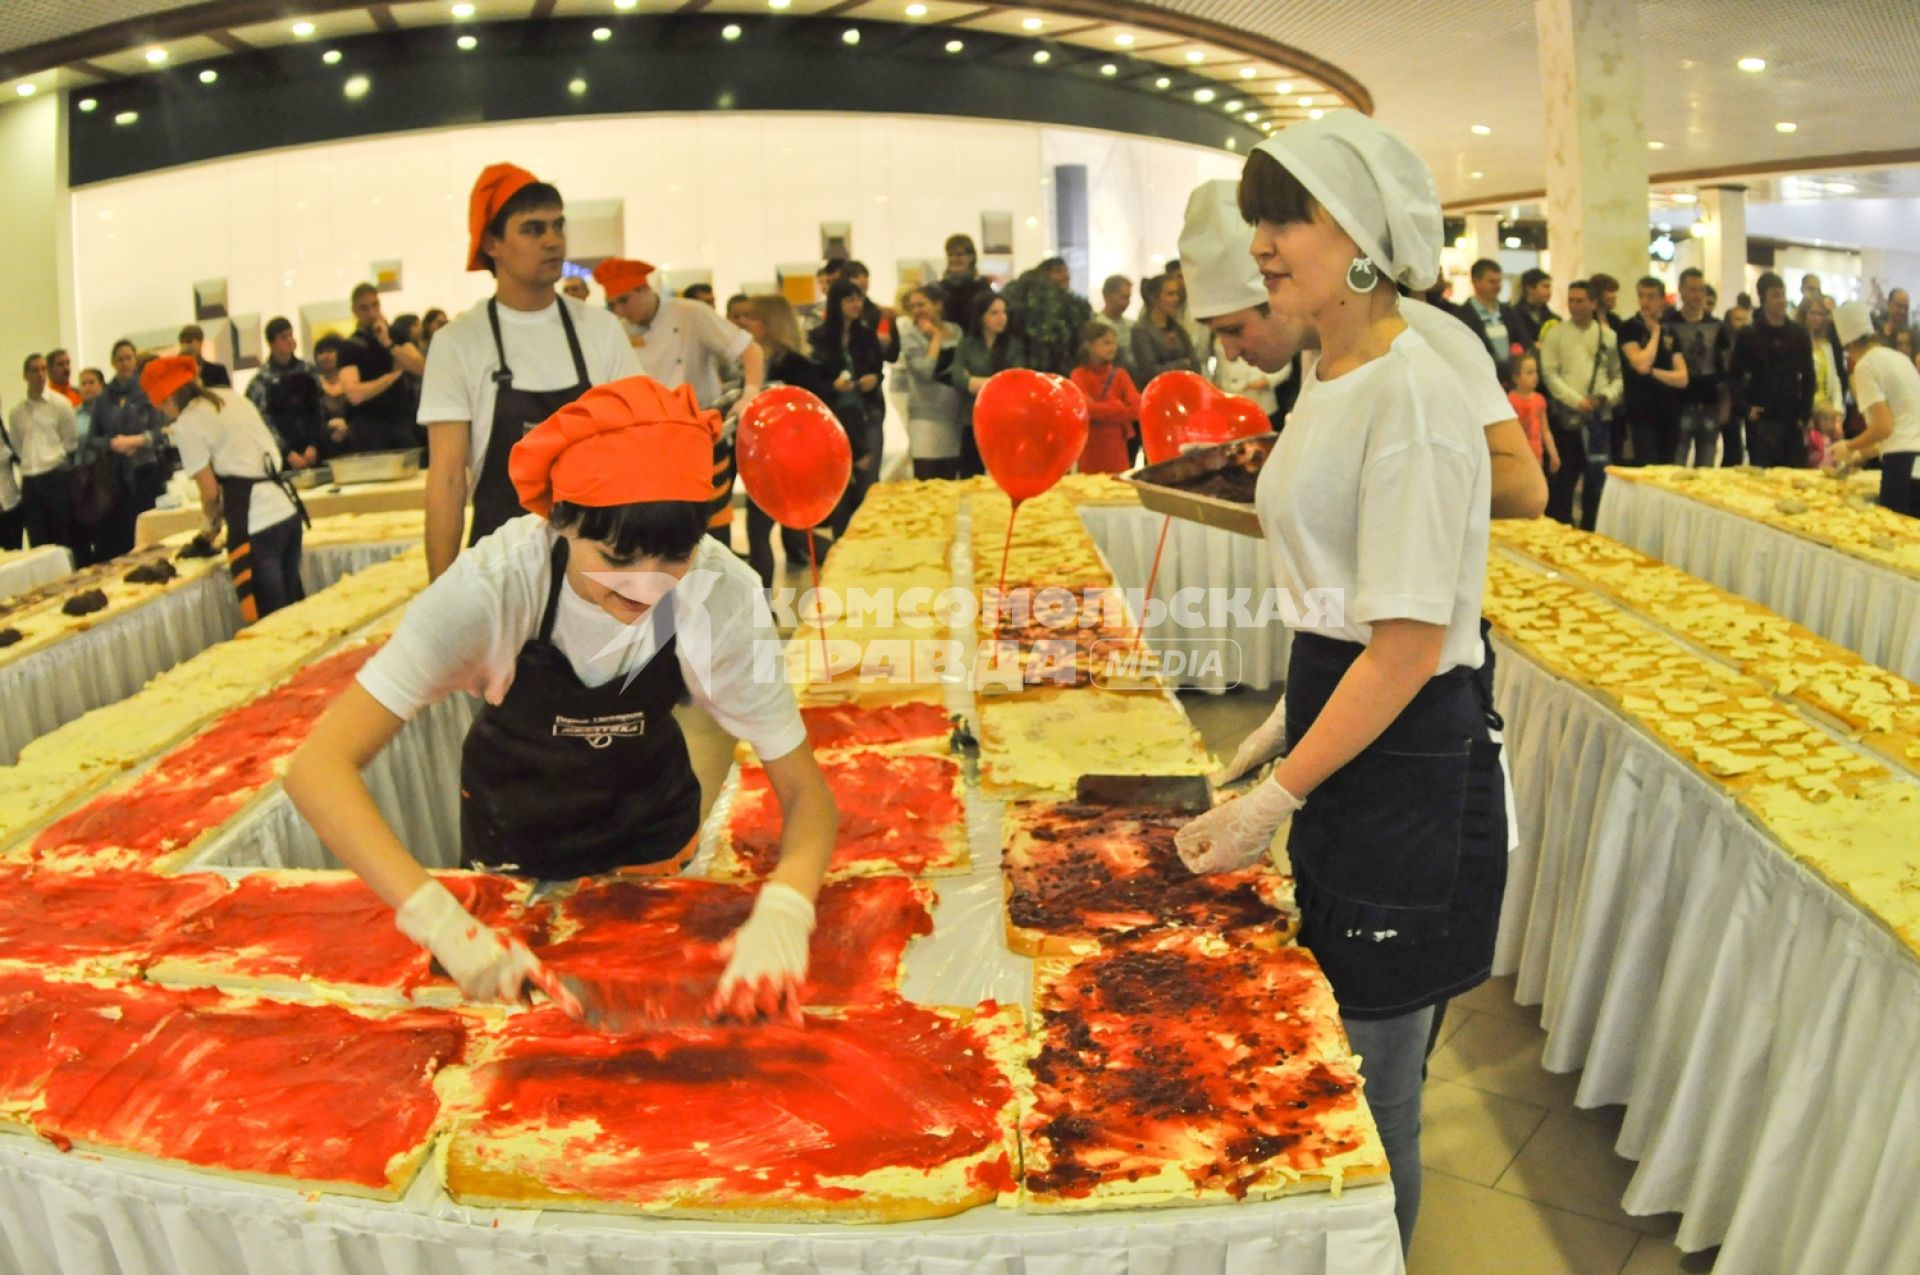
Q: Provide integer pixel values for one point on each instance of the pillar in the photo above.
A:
(1722, 234)
(1596, 138)
(36, 275)
(1483, 236)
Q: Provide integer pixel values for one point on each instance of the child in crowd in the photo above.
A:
(1819, 434)
(1113, 404)
(1530, 405)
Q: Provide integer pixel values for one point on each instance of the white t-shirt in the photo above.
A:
(689, 343)
(1887, 376)
(458, 384)
(465, 631)
(237, 443)
(1466, 354)
(1375, 502)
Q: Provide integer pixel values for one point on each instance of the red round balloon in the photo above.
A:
(794, 456)
(1181, 409)
(1031, 427)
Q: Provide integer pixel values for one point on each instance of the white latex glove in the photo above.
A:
(767, 962)
(1260, 747)
(1235, 834)
(485, 965)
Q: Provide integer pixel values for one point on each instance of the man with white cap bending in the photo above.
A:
(1225, 291)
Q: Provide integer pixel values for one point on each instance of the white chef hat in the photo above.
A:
(1216, 258)
(1852, 321)
(1373, 186)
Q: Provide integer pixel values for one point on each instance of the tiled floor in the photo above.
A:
(1518, 1180)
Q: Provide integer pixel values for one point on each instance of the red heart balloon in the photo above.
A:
(794, 456)
(1031, 427)
(1180, 409)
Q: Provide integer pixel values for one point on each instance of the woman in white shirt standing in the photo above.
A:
(231, 454)
(935, 410)
(1375, 501)
(1887, 388)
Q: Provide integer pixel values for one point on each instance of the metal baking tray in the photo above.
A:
(1163, 488)
(375, 467)
(312, 476)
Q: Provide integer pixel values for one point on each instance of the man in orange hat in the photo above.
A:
(683, 342)
(581, 624)
(502, 367)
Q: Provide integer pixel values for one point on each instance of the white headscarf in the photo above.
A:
(1373, 186)
(1215, 262)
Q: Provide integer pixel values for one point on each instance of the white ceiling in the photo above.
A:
(1845, 72)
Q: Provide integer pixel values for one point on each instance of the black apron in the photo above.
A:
(562, 780)
(1400, 857)
(236, 503)
(514, 413)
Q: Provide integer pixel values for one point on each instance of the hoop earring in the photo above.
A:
(1363, 275)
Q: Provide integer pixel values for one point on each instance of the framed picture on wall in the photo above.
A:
(797, 283)
(386, 274)
(249, 344)
(325, 318)
(836, 240)
(996, 235)
(596, 230)
(914, 271)
(209, 299)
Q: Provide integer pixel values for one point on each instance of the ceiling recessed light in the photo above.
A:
(301, 30)
(1685, 197)
(1479, 130)
(1247, 73)
(1656, 146)
(603, 34)
(1266, 126)
(463, 11)
(1041, 57)
(1306, 101)
(88, 105)
(1475, 175)
(1842, 188)
(1124, 39)
(1031, 24)
(1512, 241)
(731, 31)
(1234, 104)
(1785, 126)
(1163, 83)
(916, 11)
(576, 86)
(156, 56)
(1203, 95)
(850, 36)
(1315, 114)
(1109, 69)
(1196, 57)
(467, 43)
(1284, 87)
(209, 75)
(954, 46)
(127, 117)
(26, 90)
(356, 86)
(1252, 117)
(1233, 143)
(1752, 66)
(778, 4)
(624, 5)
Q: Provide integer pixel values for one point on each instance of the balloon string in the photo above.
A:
(1153, 573)
(813, 561)
(1006, 551)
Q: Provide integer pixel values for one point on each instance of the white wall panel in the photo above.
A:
(733, 192)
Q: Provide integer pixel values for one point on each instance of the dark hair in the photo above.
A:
(426, 320)
(26, 364)
(832, 332)
(1648, 281)
(1173, 266)
(195, 389)
(1767, 283)
(1150, 290)
(55, 353)
(95, 373)
(404, 329)
(957, 242)
(1535, 277)
(1093, 330)
(362, 290)
(276, 326)
(1268, 192)
(1114, 283)
(1581, 285)
(1053, 263)
(693, 290)
(1712, 291)
(1484, 267)
(191, 332)
(736, 299)
(977, 328)
(331, 343)
(835, 266)
(669, 529)
(848, 269)
(123, 341)
(529, 197)
(1692, 272)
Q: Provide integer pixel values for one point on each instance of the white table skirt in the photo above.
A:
(24, 569)
(1204, 558)
(1863, 607)
(1762, 1031)
(113, 659)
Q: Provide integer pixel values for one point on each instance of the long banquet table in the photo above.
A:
(25, 569)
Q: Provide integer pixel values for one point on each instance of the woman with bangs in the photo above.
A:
(1376, 500)
(581, 624)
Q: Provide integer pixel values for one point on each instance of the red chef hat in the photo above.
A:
(621, 275)
(618, 444)
(498, 183)
(162, 378)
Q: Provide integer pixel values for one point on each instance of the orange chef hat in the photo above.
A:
(621, 275)
(618, 444)
(498, 183)
(162, 378)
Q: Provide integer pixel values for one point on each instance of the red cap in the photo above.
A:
(162, 378)
(621, 275)
(620, 443)
(498, 183)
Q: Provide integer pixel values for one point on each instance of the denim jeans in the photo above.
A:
(1393, 1061)
(1699, 434)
